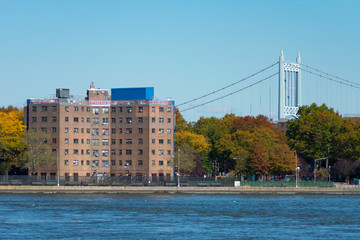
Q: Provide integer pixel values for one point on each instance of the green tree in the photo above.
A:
(313, 134)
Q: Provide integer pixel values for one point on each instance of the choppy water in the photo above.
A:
(179, 217)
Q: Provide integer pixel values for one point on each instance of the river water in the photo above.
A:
(168, 216)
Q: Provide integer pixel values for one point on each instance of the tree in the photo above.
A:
(314, 132)
(12, 144)
(38, 152)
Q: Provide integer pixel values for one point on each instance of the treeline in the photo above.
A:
(251, 145)
(21, 151)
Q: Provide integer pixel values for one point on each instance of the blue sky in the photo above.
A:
(184, 49)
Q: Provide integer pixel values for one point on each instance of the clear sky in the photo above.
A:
(184, 49)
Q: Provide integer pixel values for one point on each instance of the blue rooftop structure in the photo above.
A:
(132, 93)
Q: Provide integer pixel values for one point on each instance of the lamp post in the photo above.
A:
(178, 165)
(329, 172)
(297, 176)
(58, 167)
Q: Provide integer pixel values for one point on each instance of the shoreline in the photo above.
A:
(174, 190)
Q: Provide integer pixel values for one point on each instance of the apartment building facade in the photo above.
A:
(127, 133)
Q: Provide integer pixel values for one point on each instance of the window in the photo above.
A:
(66, 130)
(140, 130)
(161, 152)
(169, 120)
(76, 151)
(105, 121)
(76, 119)
(76, 109)
(43, 119)
(161, 141)
(128, 141)
(153, 141)
(128, 152)
(120, 141)
(169, 130)
(161, 120)
(113, 120)
(113, 152)
(82, 119)
(104, 163)
(153, 120)
(168, 109)
(161, 130)
(82, 162)
(95, 142)
(44, 130)
(141, 109)
(88, 130)
(169, 163)
(96, 120)
(34, 109)
(140, 162)
(53, 119)
(140, 120)
(153, 152)
(128, 130)
(95, 163)
(169, 141)
(112, 162)
(82, 130)
(75, 162)
(87, 162)
(76, 141)
(66, 141)
(95, 153)
(54, 140)
(87, 151)
(66, 108)
(120, 130)
(161, 163)
(88, 109)
(152, 109)
(128, 120)
(120, 162)
(152, 162)
(161, 109)
(153, 130)
(113, 141)
(82, 109)
(129, 109)
(120, 109)
(105, 142)
(105, 110)
(66, 162)
(87, 120)
(113, 130)
(44, 108)
(120, 152)
(128, 163)
(34, 119)
(66, 151)
(87, 141)
(168, 152)
(76, 130)
(120, 120)
(96, 111)
(140, 141)
(140, 152)
(105, 131)
(66, 119)
(113, 109)
(95, 131)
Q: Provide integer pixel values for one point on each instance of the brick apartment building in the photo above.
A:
(122, 134)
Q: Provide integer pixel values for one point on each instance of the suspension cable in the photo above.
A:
(328, 74)
(221, 89)
(253, 84)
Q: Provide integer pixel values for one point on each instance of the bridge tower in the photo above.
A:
(289, 87)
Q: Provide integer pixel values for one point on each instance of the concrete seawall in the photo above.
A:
(172, 190)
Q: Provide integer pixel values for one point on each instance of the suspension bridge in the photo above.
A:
(278, 90)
